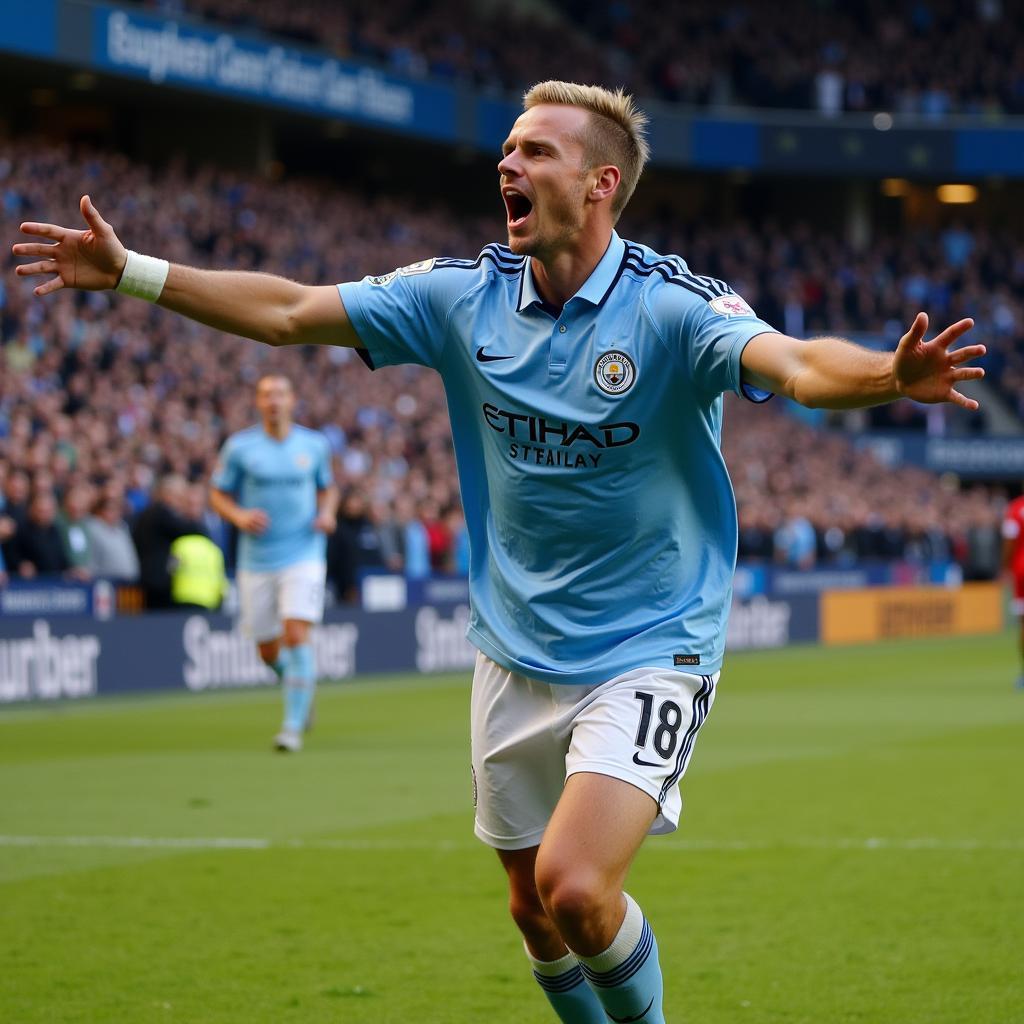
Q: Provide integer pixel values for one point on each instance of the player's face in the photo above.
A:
(544, 179)
(275, 399)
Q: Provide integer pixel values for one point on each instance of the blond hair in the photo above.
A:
(616, 133)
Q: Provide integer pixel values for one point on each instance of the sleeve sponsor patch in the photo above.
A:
(420, 267)
(730, 305)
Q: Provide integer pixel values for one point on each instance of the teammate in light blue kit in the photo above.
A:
(584, 376)
(274, 483)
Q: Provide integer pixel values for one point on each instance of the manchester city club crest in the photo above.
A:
(614, 373)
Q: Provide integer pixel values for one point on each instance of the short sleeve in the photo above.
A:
(227, 474)
(402, 317)
(708, 332)
(1011, 528)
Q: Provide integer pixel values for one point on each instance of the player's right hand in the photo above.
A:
(252, 520)
(92, 259)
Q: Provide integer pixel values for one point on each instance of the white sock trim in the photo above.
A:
(143, 277)
(551, 968)
(625, 941)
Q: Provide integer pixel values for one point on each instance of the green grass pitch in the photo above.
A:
(852, 850)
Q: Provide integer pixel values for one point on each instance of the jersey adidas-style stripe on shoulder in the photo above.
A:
(500, 256)
(675, 271)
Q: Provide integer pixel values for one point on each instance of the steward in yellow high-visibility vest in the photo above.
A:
(197, 572)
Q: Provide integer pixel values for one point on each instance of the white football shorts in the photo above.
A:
(528, 737)
(266, 599)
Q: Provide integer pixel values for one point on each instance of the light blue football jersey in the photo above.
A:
(601, 518)
(282, 478)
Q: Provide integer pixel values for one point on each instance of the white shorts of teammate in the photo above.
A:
(267, 599)
(528, 737)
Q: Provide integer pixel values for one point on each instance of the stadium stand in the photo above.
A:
(100, 397)
(834, 57)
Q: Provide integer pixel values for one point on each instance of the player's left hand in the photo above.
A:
(325, 523)
(927, 371)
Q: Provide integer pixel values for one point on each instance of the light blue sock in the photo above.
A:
(299, 685)
(283, 669)
(626, 977)
(567, 990)
(280, 667)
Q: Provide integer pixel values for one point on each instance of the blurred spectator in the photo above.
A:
(439, 537)
(757, 534)
(37, 548)
(389, 531)
(74, 535)
(415, 542)
(354, 546)
(459, 557)
(196, 567)
(795, 541)
(16, 494)
(161, 523)
(111, 548)
(984, 547)
(197, 509)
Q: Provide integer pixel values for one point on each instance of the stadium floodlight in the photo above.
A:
(957, 193)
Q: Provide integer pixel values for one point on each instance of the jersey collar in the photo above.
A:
(594, 290)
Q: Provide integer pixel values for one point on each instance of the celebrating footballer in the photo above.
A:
(584, 375)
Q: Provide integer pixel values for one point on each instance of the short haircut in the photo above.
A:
(616, 134)
(275, 376)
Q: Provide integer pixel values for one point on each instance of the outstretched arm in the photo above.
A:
(831, 373)
(259, 306)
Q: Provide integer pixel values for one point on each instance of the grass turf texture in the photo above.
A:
(852, 850)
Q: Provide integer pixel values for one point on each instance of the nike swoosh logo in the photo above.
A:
(632, 1020)
(483, 357)
(637, 759)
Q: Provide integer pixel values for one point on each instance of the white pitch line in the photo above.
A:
(141, 842)
(451, 845)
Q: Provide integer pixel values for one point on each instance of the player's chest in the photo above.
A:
(592, 364)
(286, 466)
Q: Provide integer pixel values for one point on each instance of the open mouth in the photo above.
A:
(518, 207)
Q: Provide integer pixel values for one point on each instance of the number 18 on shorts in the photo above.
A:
(528, 737)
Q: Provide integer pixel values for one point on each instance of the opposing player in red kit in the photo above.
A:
(1013, 564)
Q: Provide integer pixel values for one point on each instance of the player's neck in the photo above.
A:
(278, 431)
(559, 276)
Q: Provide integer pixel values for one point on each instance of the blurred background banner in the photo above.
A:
(54, 657)
(866, 616)
(75, 657)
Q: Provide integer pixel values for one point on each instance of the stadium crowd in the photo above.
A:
(110, 408)
(929, 58)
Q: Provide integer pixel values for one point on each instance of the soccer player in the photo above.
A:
(584, 375)
(1013, 565)
(274, 483)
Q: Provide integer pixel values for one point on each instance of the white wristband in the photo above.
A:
(143, 277)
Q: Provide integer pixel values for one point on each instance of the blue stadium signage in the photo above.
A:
(165, 51)
(186, 53)
(993, 458)
(75, 657)
(27, 599)
(29, 28)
